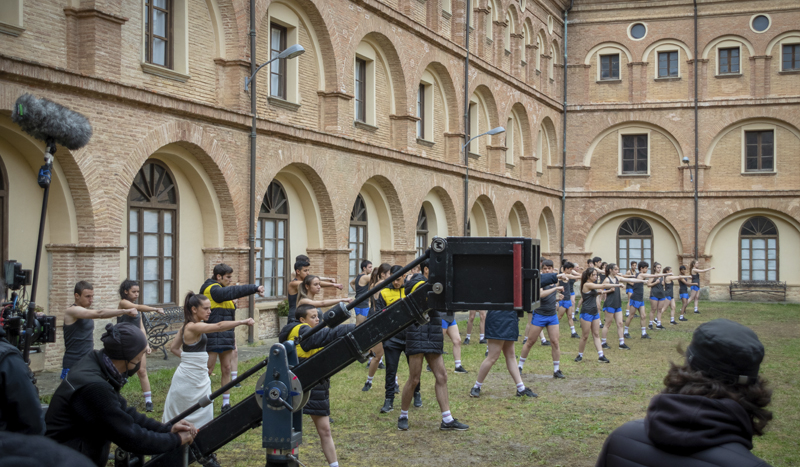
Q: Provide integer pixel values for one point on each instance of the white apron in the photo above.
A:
(189, 384)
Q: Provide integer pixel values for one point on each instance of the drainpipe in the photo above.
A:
(466, 120)
(696, 144)
(564, 142)
(251, 260)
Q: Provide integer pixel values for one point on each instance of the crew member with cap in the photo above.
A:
(709, 411)
(88, 413)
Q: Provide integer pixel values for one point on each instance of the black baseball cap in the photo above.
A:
(726, 350)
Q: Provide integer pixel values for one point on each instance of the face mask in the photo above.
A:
(133, 370)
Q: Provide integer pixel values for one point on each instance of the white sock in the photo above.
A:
(651, 323)
(458, 363)
(681, 315)
(603, 340)
(556, 366)
(148, 396)
(644, 331)
(580, 354)
(544, 340)
(467, 336)
(520, 387)
(369, 379)
(396, 381)
(478, 384)
(446, 417)
(381, 360)
(335, 464)
(369, 362)
(482, 335)
(521, 361)
(695, 308)
(226, 399)
(234, 374)
(572, 328)
(404, 414)
(621, 341)
(600, 353)
(626, 328)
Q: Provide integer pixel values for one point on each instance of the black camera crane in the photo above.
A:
(465, 274)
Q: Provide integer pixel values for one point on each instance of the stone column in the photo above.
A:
(230, 82)
(452, 148)
(336, 112)
(94, 40)
(404, 129)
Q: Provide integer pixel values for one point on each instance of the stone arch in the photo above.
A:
(546, 229)
(318, 17)
(600, 239)
(221, 26)
(446, 87)
(439, 200)
(732, 126)
(522, 115)
(309, 196)
(222, 180)
(528, 30)
(587, 158)
(607, 45)
(384, 46)
(780, 37)
(386, 221)
(519, 213)
(732, 37)
(726, 216)
(775, 206)
(483, 218)
(669, 41)
(485, 94)
(552, 138)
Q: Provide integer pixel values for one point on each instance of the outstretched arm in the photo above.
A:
(697, 271)
(323, 303)
(127, 304)
(234, 292)
(330, 284)
(631, 280)
(79, 312)
(545, 292)
(195, 329)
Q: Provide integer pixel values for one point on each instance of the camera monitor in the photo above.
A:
(484, 273)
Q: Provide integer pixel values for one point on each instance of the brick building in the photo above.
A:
(359, 139)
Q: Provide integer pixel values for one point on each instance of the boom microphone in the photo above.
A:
(52, 123)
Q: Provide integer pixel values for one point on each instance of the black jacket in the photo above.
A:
(319, 399)
(18, 450)
(426, 338)
(690, 431)
(20, 410)
(221, 311)
(87, 413)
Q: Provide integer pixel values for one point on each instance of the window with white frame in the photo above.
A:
(509, 30)
(609, 67)
(272, 240)
(790, 56)
(539, 43)
(422, 233)
(510, 131)
(11, 17)
(472, 125)
(542, 151)
(357, 240)
(425, 107)
(759, 150)
(165, 38)
(553, 60)
(364, 83)
(728, 60)
(634, 154)
(668, 64)
(284, 74)
(758, 250)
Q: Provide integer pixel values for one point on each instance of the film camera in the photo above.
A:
(15, 308)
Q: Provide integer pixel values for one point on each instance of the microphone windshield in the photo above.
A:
(50, 122)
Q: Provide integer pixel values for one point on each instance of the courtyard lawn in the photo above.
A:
(566, 425)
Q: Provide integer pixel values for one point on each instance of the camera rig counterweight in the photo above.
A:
(466, 273)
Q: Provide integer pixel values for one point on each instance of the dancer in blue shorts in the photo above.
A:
(590, 315)
(613, 304)
(694, 295)
(566, 304)
(637, 299)
(360, 286)
(657, 298)
(450, 329)
(683, 292)
(630, 274)
(545, 317)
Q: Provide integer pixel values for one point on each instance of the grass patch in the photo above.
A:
(566, 425)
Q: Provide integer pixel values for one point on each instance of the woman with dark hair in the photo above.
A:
(590, 314)
(694, 295)
(129, 294)
(190, 382)
(708, 412)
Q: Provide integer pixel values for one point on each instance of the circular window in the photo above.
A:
(760, 23)
(638, 31)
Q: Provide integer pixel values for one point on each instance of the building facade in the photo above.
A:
(359, 140)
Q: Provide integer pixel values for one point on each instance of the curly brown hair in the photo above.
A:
(752, 397)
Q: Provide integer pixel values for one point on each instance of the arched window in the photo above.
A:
(422, 232)
(152, 233)
(271, 236)
(3, 226)
(634, 241)
(358, 237)
(758, 253)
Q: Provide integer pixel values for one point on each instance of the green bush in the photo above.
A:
(283, 308)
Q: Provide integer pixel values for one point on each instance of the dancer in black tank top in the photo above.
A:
(657, 298)
(683, 291)
(613, 304)
(590, 315)
(360, 285)
(546, 317)
(567, 304)
(637, 299)
(694, 295)
(669, 293)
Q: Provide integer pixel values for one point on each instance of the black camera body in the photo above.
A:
(13, 314)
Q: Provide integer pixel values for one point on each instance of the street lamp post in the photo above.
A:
(493, 131)
(250, 85)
